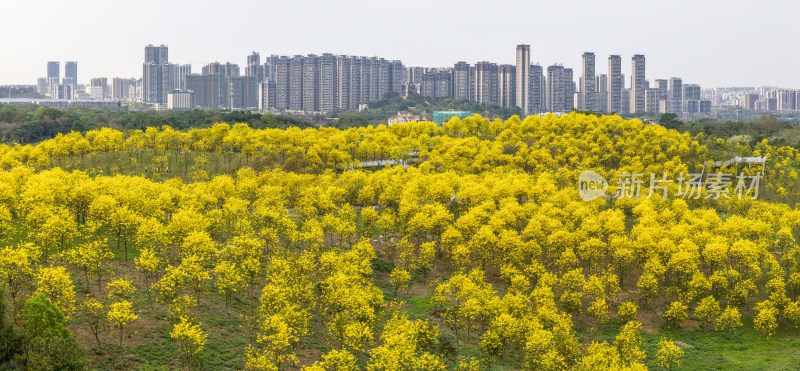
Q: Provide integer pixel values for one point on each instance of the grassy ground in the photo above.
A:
(721, 351)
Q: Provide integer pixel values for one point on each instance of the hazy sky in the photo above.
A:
(709, 42)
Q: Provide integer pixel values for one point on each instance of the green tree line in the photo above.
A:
(29, 123)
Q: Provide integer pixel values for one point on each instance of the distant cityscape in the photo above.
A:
(330, 83)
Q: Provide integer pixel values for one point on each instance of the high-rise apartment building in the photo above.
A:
(157, 75)
(485, 77)
(42, 86)
(71, 73)
(364, 66)
(156, 54)
(356, 80)
(444, 83)
(638, 84)
(537, 88)
(751, 100)
(217, 91)
(626, 101)
(461, 81)
(557, 89)
(254, 68)
(343, 82)
(415, 74)
(616, 83)
(506, 85)
(569, 90)
(328, 82)
(240, 92)
(327, 72)
(438, 83)
(216, 68)
(52, 87)
(269, 66)
(210, 91)
(653, 99)
(296, 83)
(102, 83)
(66, 92)
(121, 88)
(691, 91)
(221, 86)
(54, 70)
(53, 79)
(179, 75)
(601, 93)
(310, 82)
(676, 88)
(675, 98)
(587, 82)
(397, 75)
(266, 95)
(523, 77)
(282, 70)
(379, 78)
(691, 95)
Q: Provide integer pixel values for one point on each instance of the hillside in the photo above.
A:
(230, 247)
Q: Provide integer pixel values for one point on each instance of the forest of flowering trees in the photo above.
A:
(268, 249)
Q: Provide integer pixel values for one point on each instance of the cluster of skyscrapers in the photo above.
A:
(765, 98)
(536, 90)
(68, 88)
(328, 83)
(607, 92)
(310, 83)
(54, 86)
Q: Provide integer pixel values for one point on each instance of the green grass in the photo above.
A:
(744, 350)
(419, 306)
(716, 350)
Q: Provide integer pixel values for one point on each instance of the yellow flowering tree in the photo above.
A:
(192, 339)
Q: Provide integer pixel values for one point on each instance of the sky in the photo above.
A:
(713, 43)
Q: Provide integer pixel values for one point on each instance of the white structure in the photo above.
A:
(180, 99)
(95, 92)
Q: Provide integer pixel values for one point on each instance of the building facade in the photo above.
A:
(537, 90)
(638, 84)
(462, 77)
(675, 99)
(486, 83)
(588, 83)
(71, 73)
(523, 77)
(54, 70)
(506, 85)
(157, 75)
(616, 83)
(254, 68)
(556, 89)
(181, 99)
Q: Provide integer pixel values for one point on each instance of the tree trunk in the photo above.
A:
(95, 331)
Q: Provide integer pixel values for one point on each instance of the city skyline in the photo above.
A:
(694, 49)
(330, 83)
